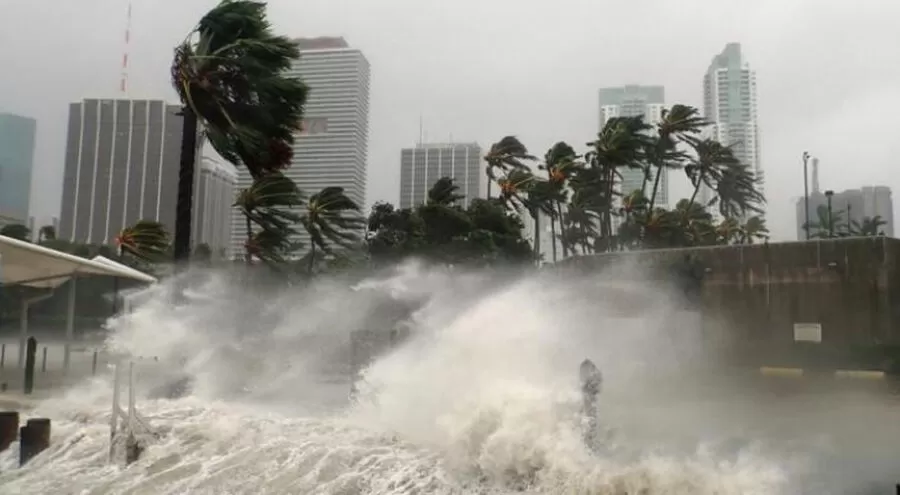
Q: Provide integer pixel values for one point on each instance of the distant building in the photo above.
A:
(332, 149)
(213, 205)
(730, 103)
(633, 101)
(852, 204)
(423, 165)
(122, 162)
(17, 137)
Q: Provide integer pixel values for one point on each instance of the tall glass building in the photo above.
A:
(17, 135)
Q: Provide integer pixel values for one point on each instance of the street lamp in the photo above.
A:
(828, 194)
(806, 193)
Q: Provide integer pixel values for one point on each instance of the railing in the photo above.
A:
(127, 424)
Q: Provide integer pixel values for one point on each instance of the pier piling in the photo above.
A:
(34, 438)
(9, 428)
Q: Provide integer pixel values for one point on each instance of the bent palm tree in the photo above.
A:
(268, 204)
(331, 217)
(507, 154)
(146, 240)
(229, 74)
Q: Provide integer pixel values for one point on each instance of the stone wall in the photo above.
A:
(753, 294)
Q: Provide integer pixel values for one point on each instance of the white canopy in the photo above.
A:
(24, 263)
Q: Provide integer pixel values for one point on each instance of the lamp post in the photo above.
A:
(828, 194)
(806, 193)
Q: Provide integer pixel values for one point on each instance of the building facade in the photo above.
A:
(121, 166)
(332, 148)
(849, 208)
(214, 197)
(730, 104)
(423, 165)
(17, 137)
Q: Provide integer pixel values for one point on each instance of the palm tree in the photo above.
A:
(560, 161)
(444, 192)
(826, 223)
(622, 143)
(705, 167)
(47, 233)
(737, 191)
(677, 124)
(507, 154)
(754, 229)
(229, 74)
(269, 206)
(16, 231)
(331, 217)
(868, 226)
(147, 240)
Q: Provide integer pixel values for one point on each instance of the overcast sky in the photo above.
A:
(828, 73)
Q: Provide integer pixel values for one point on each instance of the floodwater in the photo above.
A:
(481, 398)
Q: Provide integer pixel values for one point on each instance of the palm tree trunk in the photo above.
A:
(537, 236)
(185, 204)
(312, 258)
(696, 190)
(562, 230)
(553, 235)
(656, 185)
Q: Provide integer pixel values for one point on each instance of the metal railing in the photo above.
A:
(127, 424)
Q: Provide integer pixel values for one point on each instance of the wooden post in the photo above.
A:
(9, 428)
(34, 438)
(133, 449)
(94, 363)
(44, 361)
(30, 351)
(2, 355)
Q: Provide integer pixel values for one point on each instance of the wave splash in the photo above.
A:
(482, 397)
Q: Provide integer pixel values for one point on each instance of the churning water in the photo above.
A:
(482, 397)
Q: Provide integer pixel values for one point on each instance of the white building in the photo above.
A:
(332, 149)
(633, 101)
(730, 103)
(422, 166)
(214, 195)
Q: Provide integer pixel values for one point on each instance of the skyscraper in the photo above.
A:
(121, 166)
(633, 101)
(332, 148)
(421, 166)
(729, 102)
(16, 163)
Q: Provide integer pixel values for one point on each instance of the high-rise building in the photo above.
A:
(213, 200)
(632, 101)
(332, 148)
(730, 104)
(121, 166)
(849, 208)
(422, 166)
(17, 136)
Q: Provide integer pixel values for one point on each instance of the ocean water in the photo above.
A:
(482, 397)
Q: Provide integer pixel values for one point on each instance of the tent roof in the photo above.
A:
(23, 263)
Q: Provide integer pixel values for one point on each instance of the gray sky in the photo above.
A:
(828, 73)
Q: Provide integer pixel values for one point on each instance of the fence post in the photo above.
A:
(30, 351)
(2, 355)
(94, 363)
(9, 428)
(44, 361)
(34, 438)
